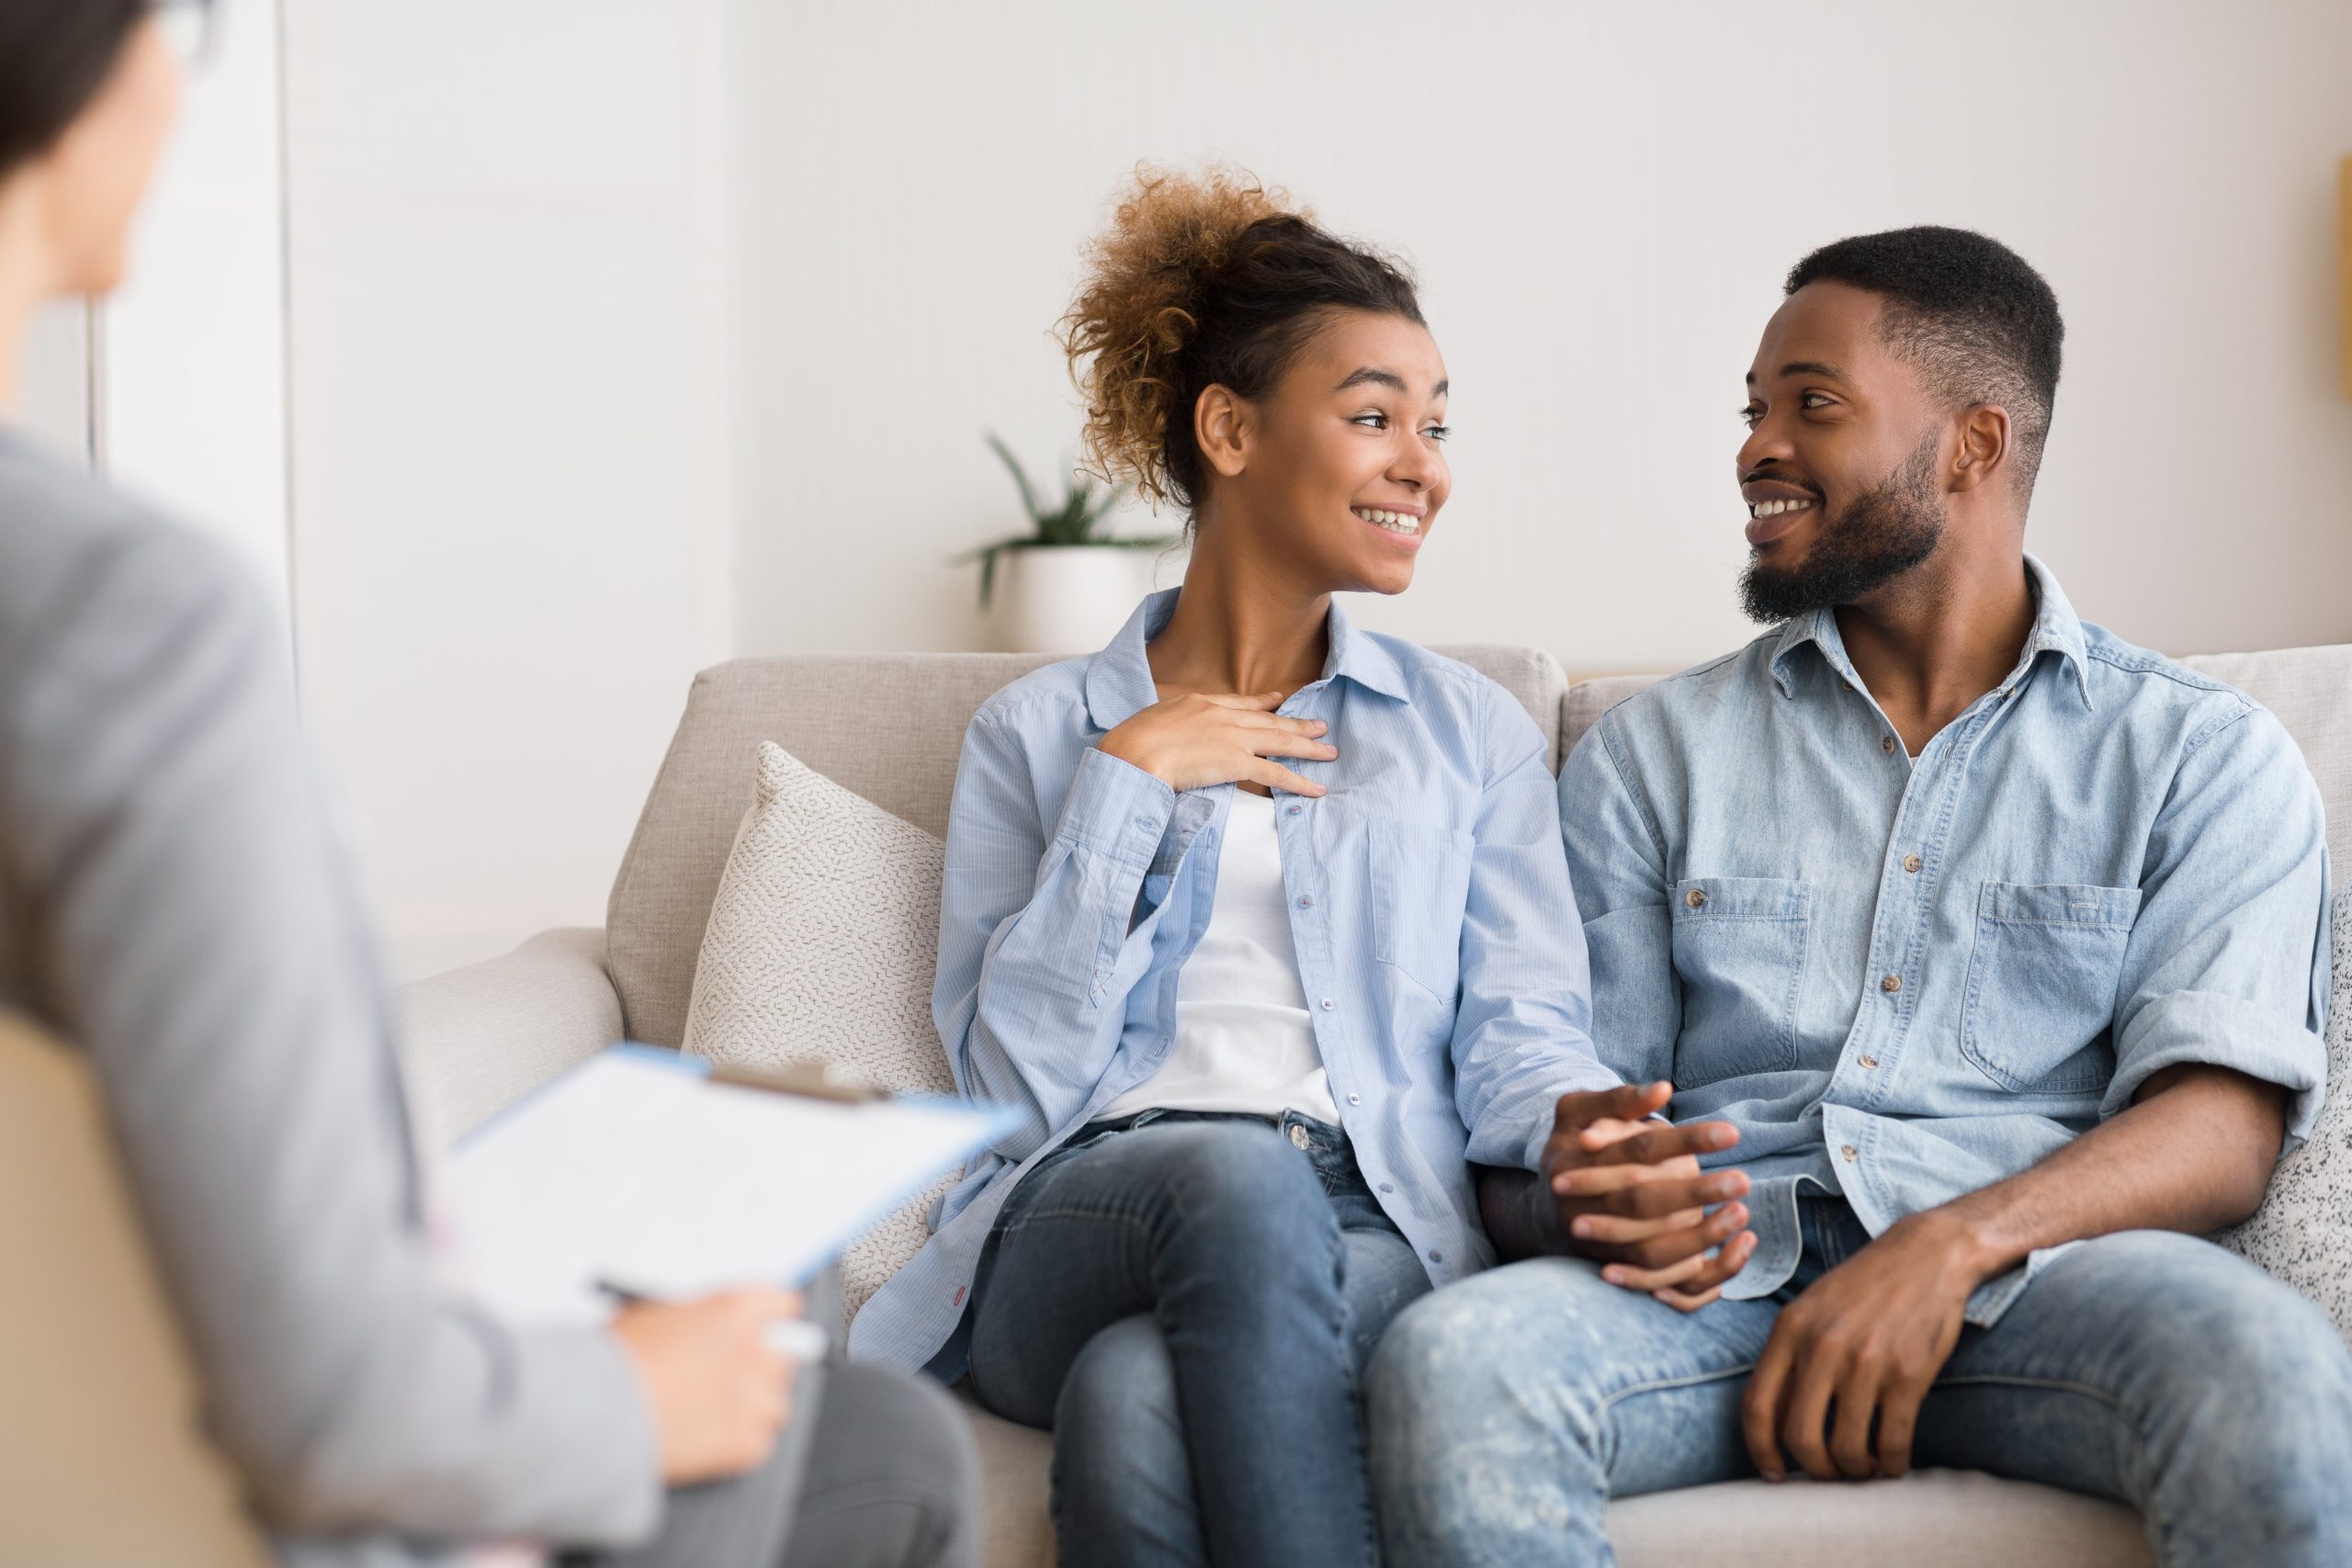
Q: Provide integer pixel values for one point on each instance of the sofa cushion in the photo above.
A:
(1930, 1519)
(1932, 1516)
(2299, 1235)
(820, 947)
(887, 727)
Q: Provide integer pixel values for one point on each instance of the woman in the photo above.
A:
(1263, 921)
(174, 904)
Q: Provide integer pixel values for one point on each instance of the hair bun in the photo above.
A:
(1170, 236)
(1202, 280)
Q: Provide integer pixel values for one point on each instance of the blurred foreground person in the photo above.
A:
(175, 903)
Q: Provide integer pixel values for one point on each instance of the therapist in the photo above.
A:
(174, 902)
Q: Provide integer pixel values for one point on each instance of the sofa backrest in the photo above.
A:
(2310, 690)
(888, 727)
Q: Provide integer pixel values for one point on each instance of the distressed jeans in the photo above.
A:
(1188, 1300)
(2148, 1366)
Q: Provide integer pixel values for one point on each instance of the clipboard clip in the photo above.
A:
(809, 1080)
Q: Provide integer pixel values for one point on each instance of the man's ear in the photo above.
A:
(1983, 446)
(1222, 427)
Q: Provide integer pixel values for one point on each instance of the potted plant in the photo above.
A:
(1068, 584)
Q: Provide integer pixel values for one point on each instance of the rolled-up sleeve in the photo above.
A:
(2227, 963)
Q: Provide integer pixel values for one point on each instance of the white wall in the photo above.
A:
(1600, 200)
(621, 336)
(510, 462)
(191, 352)
(54, 381)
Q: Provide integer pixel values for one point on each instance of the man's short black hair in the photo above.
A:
(1978, 323)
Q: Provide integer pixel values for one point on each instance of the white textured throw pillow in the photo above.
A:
(821, 946)
(2300, 1234)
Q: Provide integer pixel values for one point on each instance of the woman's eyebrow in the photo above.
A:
(1375, 376)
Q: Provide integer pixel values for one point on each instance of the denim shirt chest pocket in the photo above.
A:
(2042, 981)
(1739, 950)
(1421, 887)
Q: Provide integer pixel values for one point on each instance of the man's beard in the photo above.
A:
(1883, 535)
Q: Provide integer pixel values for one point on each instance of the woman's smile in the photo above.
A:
(1402, 524)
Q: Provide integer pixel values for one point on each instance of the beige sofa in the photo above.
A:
(888, 728)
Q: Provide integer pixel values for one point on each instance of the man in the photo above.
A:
(1998, 943)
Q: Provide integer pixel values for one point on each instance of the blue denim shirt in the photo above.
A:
(1428, 901)
(1902, 980)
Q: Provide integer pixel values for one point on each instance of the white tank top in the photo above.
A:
(1244, 1039)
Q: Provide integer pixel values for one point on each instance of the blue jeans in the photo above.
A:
(2148, 1366)
(1189, 1301)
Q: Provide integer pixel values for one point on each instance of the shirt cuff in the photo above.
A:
(2210, 1029)
(1116, 809)
(1120, 810)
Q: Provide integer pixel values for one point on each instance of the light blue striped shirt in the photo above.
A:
(1428, 899)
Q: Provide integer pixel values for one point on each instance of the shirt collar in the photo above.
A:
(1119, 683)
(2056, 629)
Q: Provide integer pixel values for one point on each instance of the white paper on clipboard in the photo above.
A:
(636, 1169)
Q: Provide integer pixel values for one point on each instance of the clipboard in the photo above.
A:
(658, 1174)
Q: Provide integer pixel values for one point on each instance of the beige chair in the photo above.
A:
(888, 728)
(102, 1464)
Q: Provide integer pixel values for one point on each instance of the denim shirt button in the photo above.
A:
(1387, 1187)
(1355, 1100)
(1886, 744)
(1871, 1063)
(1910, 863)
(1295, 809)
(1329, 1004)
(1437, 1257)
(1851, 1154)
(1307, 900)
(1891, 985)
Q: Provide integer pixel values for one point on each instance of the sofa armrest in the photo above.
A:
(479, 1038)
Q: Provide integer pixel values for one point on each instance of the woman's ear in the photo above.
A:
(1222, 428)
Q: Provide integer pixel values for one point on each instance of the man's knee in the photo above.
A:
(1461, 1360)
(2273, 1366)
(2219, 1354)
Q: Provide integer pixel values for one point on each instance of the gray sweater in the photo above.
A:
(175, 901)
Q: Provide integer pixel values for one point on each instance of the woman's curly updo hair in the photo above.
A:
(1202, 280)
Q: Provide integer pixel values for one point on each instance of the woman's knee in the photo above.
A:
(1242, 1179)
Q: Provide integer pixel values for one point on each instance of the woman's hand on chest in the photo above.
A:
(1199, 740)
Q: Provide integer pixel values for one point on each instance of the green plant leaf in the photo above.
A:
(1020, 476)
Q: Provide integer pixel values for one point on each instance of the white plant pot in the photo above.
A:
(1068, 598)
